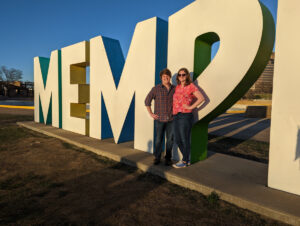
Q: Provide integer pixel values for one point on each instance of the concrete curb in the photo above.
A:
(247, 190)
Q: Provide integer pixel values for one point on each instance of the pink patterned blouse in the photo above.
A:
(183, 95)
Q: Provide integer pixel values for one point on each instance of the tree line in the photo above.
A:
(10, 75)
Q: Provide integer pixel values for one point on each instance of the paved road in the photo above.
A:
(17, 102)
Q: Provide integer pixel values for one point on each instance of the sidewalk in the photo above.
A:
(238, 181)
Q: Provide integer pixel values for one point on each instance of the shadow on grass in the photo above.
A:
(228, 116)
(239, 144)
(113, 194)
(8, 118)
(9, 131)
(87, 199)
(12, 133)
(250, 149)
(222, 120)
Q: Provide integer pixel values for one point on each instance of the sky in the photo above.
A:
(31, 28)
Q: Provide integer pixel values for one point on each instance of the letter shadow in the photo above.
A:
(173, 79)
(238, 138)
(206, 101)
(227, 115)
(149, 146)
(297, 153)
(98, 195)
(227, 119)
(232, 127)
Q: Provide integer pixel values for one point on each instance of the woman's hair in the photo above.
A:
(165, 71)
(188, 76)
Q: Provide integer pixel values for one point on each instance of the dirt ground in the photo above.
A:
(46, 181)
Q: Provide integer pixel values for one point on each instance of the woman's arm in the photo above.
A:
(200, 99)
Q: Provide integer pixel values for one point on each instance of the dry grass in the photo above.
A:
(258, 102)
(46, 181)
(248, 149)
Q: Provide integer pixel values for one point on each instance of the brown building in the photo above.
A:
(263, 87)
(16, 89)
(264, 84)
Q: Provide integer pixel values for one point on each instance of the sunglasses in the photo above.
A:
(181, 75)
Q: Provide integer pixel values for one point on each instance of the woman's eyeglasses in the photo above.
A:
(181, 75)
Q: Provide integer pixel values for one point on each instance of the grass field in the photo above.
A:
(46, 181)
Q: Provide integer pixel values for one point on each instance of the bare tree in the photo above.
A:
(11, 74)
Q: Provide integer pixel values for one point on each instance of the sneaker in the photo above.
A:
(168, 162)
(188, 163)
(179, 165)
(156, 161)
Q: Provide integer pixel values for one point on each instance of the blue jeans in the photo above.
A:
(182, 132)
(162, 128)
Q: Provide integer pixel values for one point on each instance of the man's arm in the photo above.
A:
(148, 100)
(154, 116)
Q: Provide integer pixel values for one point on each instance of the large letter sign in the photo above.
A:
(75, 91)
(246, 33)
(117, 88)
(284, 158)
(47, 90)
(124, 95)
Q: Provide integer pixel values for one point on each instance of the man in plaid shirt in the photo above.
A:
(163, 104)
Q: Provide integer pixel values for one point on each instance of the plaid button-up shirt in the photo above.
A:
(163, 102)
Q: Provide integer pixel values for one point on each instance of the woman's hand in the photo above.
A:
(199, 100)
(187, 107)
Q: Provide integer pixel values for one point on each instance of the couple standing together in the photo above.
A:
(173, 116)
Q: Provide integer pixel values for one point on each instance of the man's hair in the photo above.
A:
(165, 71)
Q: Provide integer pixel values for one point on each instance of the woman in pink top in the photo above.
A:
(186, 97)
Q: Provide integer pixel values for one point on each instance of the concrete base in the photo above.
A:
(238, 181)
(258, 112)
